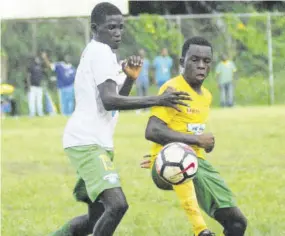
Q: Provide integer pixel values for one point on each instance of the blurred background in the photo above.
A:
(249, 33)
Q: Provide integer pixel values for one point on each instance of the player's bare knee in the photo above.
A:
(121, 208)
(118, 208)
(241, 223)
(240, 219)
(237, 226)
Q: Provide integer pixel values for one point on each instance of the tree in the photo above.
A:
(152, 33)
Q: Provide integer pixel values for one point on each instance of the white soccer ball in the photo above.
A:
(176, 163)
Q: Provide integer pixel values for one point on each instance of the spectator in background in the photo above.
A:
(142, 82)
(162, 65)
(65, 75)
(225, 71)
(35, 90)
(8, 102)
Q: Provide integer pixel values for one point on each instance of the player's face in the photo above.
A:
(110, 32)
(197, 63)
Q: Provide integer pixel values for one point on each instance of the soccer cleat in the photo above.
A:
(206, 232)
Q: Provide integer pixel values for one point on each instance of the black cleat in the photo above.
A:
(206, 232)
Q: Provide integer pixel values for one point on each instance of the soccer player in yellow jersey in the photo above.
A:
(167, 125)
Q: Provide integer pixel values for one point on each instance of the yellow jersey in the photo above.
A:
(191, 120)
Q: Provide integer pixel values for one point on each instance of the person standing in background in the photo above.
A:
(142, 82)
(225, 72)
(35, 90)
(162, 65)
(65, 75)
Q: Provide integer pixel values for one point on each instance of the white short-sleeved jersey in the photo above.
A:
(91, 123)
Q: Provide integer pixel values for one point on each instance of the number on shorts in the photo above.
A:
(108, 164)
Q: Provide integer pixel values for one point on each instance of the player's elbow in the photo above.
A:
(148, 134)
(152, 132)
(108, 106)
(109, 102)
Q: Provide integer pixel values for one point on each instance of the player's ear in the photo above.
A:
(181, 61)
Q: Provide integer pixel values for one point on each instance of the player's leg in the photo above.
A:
(96, 174)
(187, 196)
(94, 165)
(232, 219)
(104, 214)
(115, 205)
(82, 225)
(216, 199)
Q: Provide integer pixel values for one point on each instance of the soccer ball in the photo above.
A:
(176, 163)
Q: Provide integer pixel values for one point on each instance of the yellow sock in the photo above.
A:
(187, 196)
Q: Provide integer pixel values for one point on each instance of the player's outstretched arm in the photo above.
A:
(157, 131)
(114, 101)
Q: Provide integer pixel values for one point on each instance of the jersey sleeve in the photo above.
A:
(165, 114)
(103, 65)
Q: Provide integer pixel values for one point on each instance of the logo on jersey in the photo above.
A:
(193, 110)
(112, 178)
(196, 128)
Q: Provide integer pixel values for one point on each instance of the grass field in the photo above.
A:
(37, 179)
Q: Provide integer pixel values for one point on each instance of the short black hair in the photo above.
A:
(197, 41)
(101, 10)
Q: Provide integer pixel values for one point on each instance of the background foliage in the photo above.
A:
(242, 38)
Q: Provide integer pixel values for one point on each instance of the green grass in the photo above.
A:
(37, 179)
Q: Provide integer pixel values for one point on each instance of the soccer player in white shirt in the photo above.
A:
(88, 135)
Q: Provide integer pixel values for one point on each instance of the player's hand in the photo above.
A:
(173, 98)
(206, 141)
(146, 162)
(132, 66)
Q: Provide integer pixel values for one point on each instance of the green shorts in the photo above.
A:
(211, 190)
(95, 169)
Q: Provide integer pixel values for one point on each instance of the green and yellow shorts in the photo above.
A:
(95, 169)
(211, 190)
